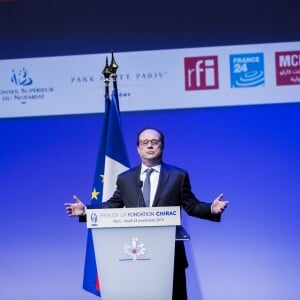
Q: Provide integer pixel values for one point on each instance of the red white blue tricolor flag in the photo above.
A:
(112, 160)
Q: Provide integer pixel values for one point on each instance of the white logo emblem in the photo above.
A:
(134, 250)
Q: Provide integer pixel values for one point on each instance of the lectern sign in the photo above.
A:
(135, 248)
(133, 217)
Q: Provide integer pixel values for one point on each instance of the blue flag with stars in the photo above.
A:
(112, 160)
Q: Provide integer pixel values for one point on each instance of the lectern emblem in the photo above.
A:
(135, 250)
(94, 219)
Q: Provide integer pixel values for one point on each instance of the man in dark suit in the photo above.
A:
(169, 186)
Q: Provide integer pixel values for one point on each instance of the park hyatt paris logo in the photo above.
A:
(201, 73)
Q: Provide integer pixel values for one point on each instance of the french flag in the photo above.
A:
(112, 160)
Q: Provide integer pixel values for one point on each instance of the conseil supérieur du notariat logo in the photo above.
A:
(21, 77)
(25, 88)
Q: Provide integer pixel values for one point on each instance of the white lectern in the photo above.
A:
(134, 250)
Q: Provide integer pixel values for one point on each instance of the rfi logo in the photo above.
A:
(201, 73)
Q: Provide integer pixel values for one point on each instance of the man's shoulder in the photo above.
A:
(172, 168)
(130, 171)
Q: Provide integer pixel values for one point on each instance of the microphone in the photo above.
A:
(140, 192)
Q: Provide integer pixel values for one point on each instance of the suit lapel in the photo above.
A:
(163, 178)
(139, 194)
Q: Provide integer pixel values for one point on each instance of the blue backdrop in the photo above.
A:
(249, 153)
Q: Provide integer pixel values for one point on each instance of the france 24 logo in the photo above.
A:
(201, 73)
(247, 70)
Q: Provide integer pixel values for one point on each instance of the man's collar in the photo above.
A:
(156, 168)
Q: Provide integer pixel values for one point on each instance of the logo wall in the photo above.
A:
(153, 80)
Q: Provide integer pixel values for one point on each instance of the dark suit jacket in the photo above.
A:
(174, 189)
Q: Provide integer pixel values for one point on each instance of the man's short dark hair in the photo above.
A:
(162, 137)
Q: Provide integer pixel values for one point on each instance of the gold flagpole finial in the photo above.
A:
(113, 67)
(106, 73)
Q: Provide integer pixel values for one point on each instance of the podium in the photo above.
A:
(134, 249)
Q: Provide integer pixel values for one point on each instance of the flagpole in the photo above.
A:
(113, 68)
(106, 73)
(111, 161)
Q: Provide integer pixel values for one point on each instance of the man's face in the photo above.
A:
(150, 148)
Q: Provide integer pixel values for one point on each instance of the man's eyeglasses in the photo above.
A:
(146, 142)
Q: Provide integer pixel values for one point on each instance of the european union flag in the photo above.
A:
(112, 160)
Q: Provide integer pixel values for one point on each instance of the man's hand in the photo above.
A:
(75, 209)
(218, 205)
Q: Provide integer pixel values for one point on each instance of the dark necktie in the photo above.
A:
(147, 187)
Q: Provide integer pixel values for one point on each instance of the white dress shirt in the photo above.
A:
(154, 177)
